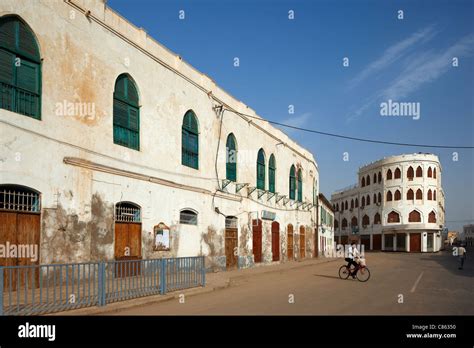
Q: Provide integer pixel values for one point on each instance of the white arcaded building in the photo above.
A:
(397, 205)
(112, 143)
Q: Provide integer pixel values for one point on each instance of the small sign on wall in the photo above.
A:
(162, 237)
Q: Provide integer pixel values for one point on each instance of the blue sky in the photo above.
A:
(299, 62)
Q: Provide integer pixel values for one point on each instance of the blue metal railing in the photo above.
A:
(40, 289)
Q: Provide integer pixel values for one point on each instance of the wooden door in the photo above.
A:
(316, 243)
(344, 240)
(21, 229)
(257, 240)
(365, 241)
(128, 246)
(377, 242)
(290, 242)
(302, 243)
(275, 241)
(231, 237)
(415, 242)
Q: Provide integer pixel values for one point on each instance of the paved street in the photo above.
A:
(429, 283)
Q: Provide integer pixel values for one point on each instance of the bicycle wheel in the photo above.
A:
(343, 272)
(363, 274)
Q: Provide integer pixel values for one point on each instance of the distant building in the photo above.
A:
(397, 205)
(326, 225)
(468, 231)
(452, 237)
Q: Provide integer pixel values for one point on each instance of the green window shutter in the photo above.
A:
(27, 76)
(6, 67)
(120, 113)
(292, 182)
(26, 42)
(271, 174)
(231, 158)
(261, 170)
(126, 119)
(190, 141)
(300, 187)
(8, 33)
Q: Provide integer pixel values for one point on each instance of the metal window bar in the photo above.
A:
(188, 217)
(231, 222)
(126, 213)
(19, 201)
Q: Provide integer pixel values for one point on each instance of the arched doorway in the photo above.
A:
(302, 243)
(20, 221)
(275, 241)
(128, 237)
(257, 240)
(290, 251)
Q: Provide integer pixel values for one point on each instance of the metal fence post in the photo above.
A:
(101, 284)
(1, 290)
(163, 276)
(203, 270)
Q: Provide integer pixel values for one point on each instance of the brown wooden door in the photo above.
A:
(316, 243)
(257, 240)
(275, 241)
(21, 229)
(377, 242)
(231, 237)
(128, 246)
(344, 240)
(302, 243)
(415, 242)
(365, 241)
(290, 242)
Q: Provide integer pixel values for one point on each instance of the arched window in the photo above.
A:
(271, 174)
(363, 201)
(300, 185)
(432, 217)
(410, 195)
(377, 219)
(261, 170)
(419, 194)
(190, 141)
(434, 173)
(398, 173)
(380, 177)
(389, 174)
(126, 119)
(354, 222)
(357, 203)
(20, 84)
(419, 172)
(365, 221)
(127, 212)
(375, 178)
(434, 195)
(398, 195)
(414, 216)
(380, 198)
(363, 182)
(231, 222)
(231, 160)
(344, 223)
(389, 196)
(352, 204)
(336, 224)
(346, 205)
(393, 217)
(430, 195)
(337, 206)
(430, 172)
(368, 200)
(375, 198)
(410, 173)
(367, 181)
(293, 182)
(19, 198)
(188, 217)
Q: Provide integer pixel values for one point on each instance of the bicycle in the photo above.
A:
(363, 273)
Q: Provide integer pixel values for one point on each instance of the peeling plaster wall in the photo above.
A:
(81, 61)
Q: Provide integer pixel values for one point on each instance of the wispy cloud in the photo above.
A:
(296, 121)
(393, 53)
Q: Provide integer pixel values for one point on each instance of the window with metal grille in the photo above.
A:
(21, 199)
(271, 174)
(261, 170)
(20, 68)
(126, 114)
(190, 141)
(188, 217)
(300, 186)
(393, 217)
(127, 212)
(231, 222)
(231, 158)
(292, 182)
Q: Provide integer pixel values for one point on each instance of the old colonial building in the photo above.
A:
(326, 226)
(113, 147)
(397, 205)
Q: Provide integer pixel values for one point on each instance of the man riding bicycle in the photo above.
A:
(353, 255)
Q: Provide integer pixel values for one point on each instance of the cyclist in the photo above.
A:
(352, 255)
